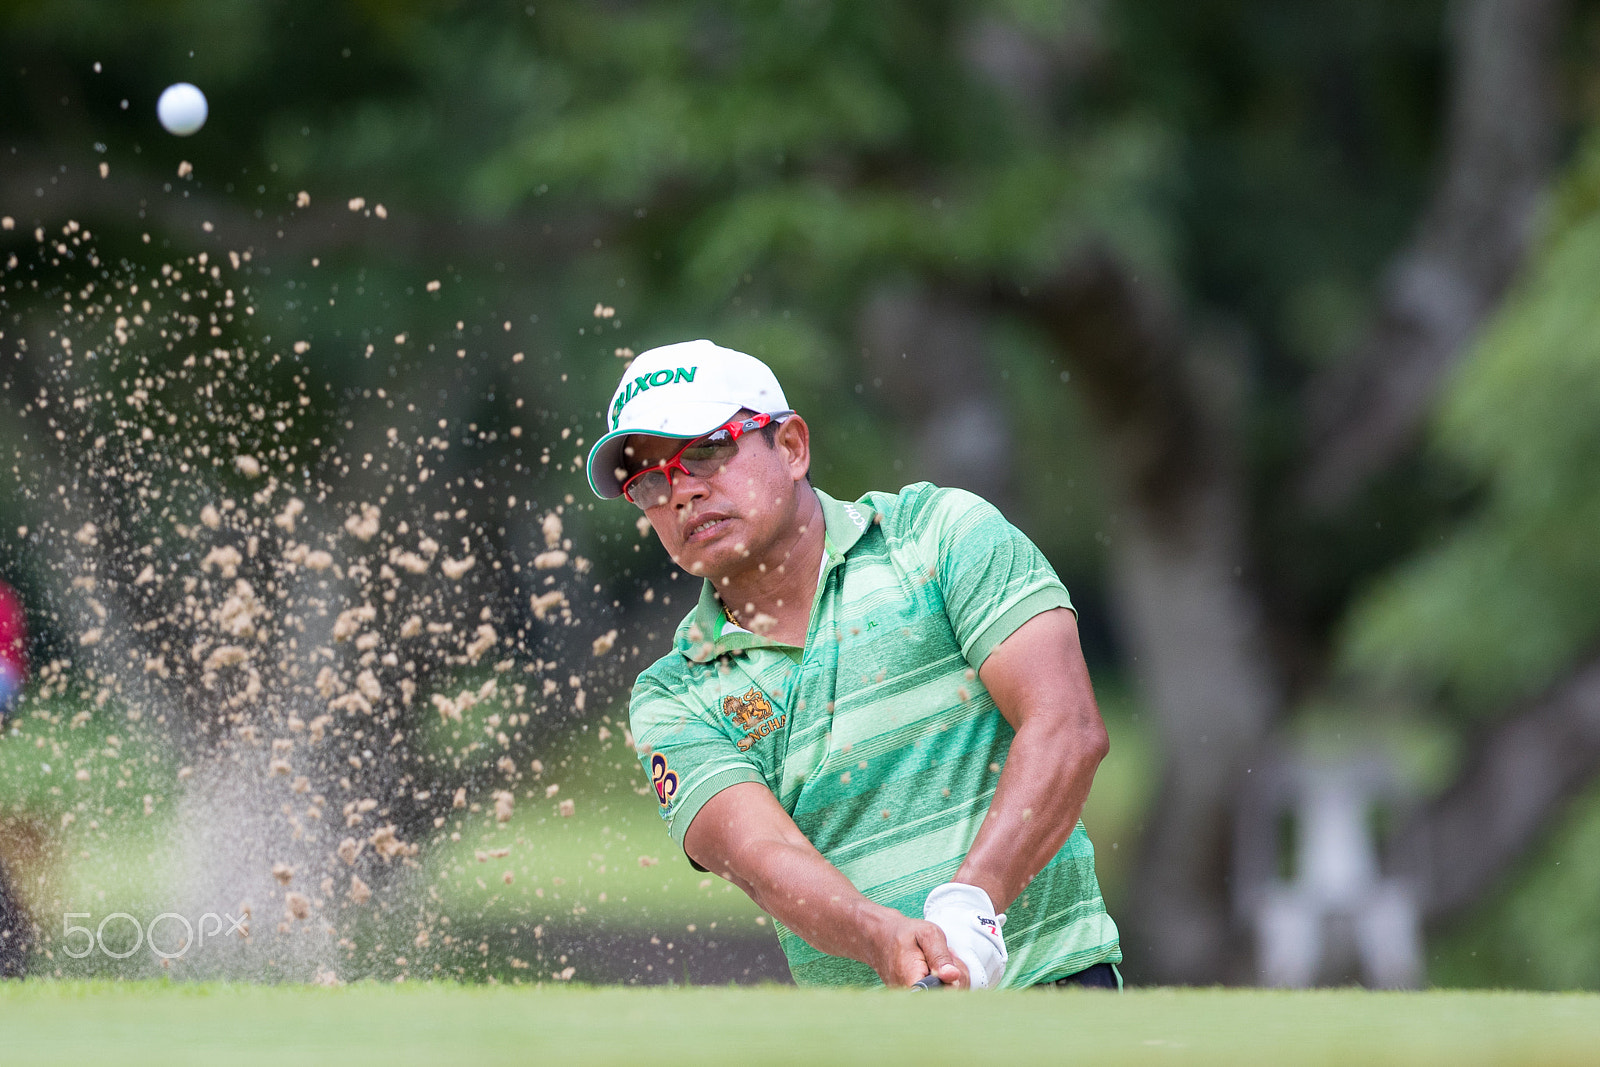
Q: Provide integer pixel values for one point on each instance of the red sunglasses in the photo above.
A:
(701, 457)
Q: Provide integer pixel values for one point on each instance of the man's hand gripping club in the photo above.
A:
(966, 916)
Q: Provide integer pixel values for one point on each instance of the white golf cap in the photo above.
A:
(683, 391)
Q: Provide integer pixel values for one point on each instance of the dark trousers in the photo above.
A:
(1100, 976)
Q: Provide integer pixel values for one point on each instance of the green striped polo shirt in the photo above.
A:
(877, 737)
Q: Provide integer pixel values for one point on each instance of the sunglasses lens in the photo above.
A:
(707, 457)
(649, 489)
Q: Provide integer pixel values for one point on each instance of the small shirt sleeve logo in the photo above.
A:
(664, 779)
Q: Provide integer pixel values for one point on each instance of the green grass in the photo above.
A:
(137, 1023)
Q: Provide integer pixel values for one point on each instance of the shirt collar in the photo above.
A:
(843, 523)
(705, 634)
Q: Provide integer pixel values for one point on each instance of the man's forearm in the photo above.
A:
(813, 898)
(743, 835)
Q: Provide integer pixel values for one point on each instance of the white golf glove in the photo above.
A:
(971, 928)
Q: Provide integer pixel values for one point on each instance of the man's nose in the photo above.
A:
(686, 487)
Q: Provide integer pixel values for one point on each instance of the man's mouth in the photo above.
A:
(701, 527)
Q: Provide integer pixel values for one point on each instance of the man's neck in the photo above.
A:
(773, 598)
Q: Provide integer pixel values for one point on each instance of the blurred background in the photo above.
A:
(1275, 326)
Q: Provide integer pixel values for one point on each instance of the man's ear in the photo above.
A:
(794, 441)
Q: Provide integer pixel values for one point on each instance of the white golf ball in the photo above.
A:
(182, 109)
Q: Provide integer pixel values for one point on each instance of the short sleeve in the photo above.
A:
(991, 576)
(685, 753)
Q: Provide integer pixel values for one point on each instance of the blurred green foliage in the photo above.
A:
(1506, 601)
(752, 172)
(1539, 931)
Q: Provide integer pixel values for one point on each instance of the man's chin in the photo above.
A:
(714, 562)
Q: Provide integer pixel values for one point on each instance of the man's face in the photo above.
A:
(739, 517)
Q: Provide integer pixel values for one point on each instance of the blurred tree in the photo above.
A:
(1108, 263)
(1501, 611)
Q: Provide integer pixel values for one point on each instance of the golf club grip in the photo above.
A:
(928, 982)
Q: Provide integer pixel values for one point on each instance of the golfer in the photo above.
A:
(876, 721)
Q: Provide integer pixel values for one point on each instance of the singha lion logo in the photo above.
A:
(747, 711)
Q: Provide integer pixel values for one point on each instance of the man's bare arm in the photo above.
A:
(744, 835)
(1038, 680)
